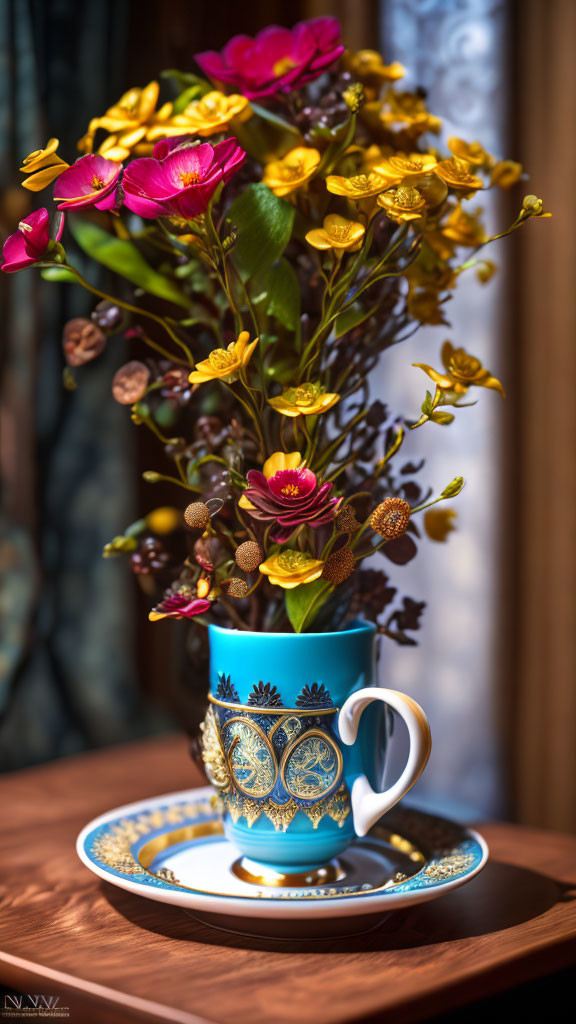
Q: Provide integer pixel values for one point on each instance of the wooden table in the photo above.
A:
(111, 956)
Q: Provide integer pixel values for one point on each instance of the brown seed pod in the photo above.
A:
(82, 341)
(197, 515)
(130, 382)
(390, 519)
(346, 521)
(235, 587)
(339, 566)
(249, 555)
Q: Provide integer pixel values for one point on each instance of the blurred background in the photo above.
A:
(495, 669)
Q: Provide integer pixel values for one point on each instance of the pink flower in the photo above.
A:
(28, 245)
(91, 181)
(179, 606)
(181, 183)
(278, 59)
(165, 146)
(290, 497)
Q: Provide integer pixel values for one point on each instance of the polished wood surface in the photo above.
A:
(114, 957)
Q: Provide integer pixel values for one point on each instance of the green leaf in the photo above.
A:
(186, 79)
(304, 602)
(350, 318)
(194, 92)
(281, 290)
(60, 274)
(122, 256)
(427, 406)
(271, 118)
(443, 418)
(453, 488)
(264, 225)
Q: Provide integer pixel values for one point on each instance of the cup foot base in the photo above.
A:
(259, 874)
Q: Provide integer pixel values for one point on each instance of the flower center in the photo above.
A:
(97, 183)
(220, 359)
(407, 197)
(189, 178)
(460, 169)
(465, 366)
(339, 232)
(292, 171)
(292, 561)
(291, 490)
(360, 181)
(282, 66)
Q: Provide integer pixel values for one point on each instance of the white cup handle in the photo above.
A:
(368, 806)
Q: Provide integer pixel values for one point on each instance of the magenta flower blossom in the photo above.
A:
(290, 497)
(165, 146)
(28, 245)
(180, 606)
(91, 181)
(277, 59)
(183, 182)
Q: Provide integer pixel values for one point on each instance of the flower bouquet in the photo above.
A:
(270, 231)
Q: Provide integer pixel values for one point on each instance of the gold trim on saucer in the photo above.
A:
(180, 835)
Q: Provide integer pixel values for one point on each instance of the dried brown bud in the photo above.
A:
(249, 555)
(197, 515)
(130, 382)
(339, 566)
(82, 341)
(235, 587)
(346, 521)
(390, 519)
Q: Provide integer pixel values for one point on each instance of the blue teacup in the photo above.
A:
(284, 746)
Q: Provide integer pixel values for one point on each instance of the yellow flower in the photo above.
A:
(407, 110)
(368, 66)
(461, 372)
(337, 233)
(43, 166)
(129, 123)
(288, 568)
(506, 173)
(403, 203)
(404, 166)
(456, 174)
(532, 206)
(464, 228)
(293, 170)
(438, 523)
(225, 363)
(360, 186)
(276, 462)
(281, 460)
(473, 152)
(425, 306)
(486, 271)
(212, 113)
(305, 400)
(164, 520)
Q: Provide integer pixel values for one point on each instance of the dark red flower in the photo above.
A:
(180, 605)
(290, 497)
(277, 59)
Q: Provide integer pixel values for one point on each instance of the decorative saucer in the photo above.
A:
(172, 849)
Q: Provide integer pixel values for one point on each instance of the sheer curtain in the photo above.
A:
(455, 49)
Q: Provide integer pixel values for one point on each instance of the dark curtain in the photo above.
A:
(66, 667)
